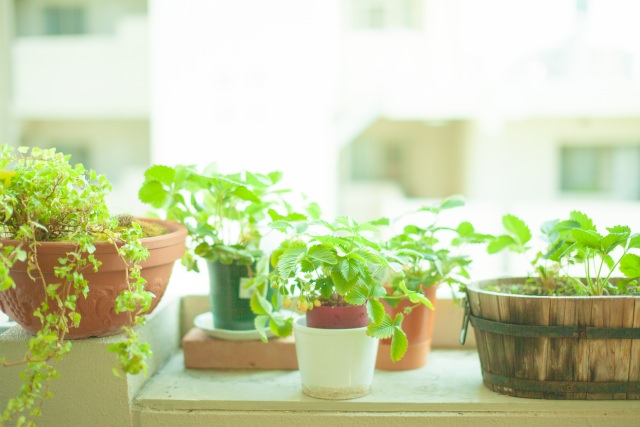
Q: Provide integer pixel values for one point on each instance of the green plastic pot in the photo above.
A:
(229, 299)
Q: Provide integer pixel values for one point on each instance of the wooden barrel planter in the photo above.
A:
(556, 347)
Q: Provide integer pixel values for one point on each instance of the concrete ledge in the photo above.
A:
(87, 393)
(446, 392)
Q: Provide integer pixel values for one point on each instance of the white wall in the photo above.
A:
(83, 76)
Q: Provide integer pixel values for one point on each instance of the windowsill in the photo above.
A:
(449, 386)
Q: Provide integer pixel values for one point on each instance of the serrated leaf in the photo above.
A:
(517, 228)
(588, 238)
(376, 310)
(260, 305)
(164, 174)
(499, 243)
(280, 326)
(415, 297)
(290, 259)
(586, 223)
(399, 341)
(153, 193)
(630, 265)
(358, 295)
(323, 254)
(260, 323)
(382, 329)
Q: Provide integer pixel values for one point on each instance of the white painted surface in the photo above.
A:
(335, 363)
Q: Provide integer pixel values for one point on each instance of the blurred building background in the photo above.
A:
(371, 107)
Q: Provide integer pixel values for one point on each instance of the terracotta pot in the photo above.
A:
(97, 310)
(340, 317)
(418, 325)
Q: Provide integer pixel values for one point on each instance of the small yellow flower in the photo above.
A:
(286, 303)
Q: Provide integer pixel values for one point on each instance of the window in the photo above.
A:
(64, 21)
(604, 171)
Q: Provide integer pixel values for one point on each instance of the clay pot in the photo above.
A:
(418, 325)
(99, 318)
(338, 317)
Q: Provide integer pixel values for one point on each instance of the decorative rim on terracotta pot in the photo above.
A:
(338, 317)
(97, 310)
(561, 347)
(335, 364)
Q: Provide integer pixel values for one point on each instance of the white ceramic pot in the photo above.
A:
(335, 363)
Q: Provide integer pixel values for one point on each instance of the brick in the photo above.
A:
(202, 351)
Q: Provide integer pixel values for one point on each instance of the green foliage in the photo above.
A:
(226, 215)
(332, 263)
(577, 259)
(45, 198)
(431, 254)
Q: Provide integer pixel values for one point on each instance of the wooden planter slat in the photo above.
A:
(634, 362)
(576, 348)
(562, 312)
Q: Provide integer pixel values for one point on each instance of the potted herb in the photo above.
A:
(570, 330)
(226, 217)
(431, 254)
(69, 269)
(334, 273)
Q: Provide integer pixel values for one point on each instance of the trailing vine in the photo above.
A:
(45, 198)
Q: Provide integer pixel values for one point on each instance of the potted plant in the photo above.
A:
(571, 329)
(431, 255)
(334, 273)
(70, 269)
(226, 217)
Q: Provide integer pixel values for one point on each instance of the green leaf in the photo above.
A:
(358, 295)
(376, 310)
(290, 259)
(499, 243)
(586, 223)
(634, 241)
(323, 254)
(416, 297)
(465, 229)
(260, 305)
(382, 329)
(517, 228)
(630, 265)
(587, 238)
(399, 341)
(164, 174)
(153, 193)
(452, 202)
